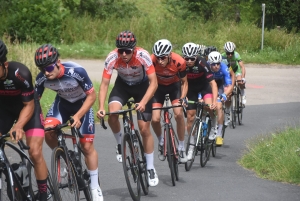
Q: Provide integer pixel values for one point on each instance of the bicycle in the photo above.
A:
(200, 132)
(170, 145)
(239, 107)
(133, 156)
(68, 167)
(15, 185)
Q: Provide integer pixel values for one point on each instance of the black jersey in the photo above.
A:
(200, 73)
(17, 86)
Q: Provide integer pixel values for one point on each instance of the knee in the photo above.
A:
(35, 153)
(87, 148)
(112, 118)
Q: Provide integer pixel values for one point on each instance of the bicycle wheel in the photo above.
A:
(142, 166)
(170, 156)
(83, 176)
(193, 134)
(5, 193)
(64, 179)
(34, 186)
(176, 154)
(130, 167)
(205, 148)
(233, 110)
(224, 127)
(240, 108)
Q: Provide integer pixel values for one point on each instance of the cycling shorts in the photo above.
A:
(61, 111)
(192, 94)
(122, 92)
(10, 113)
(174, 91)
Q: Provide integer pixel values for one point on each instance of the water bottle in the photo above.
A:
(204, 126)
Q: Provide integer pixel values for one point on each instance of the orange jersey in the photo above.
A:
(173, 72)
(133, 72)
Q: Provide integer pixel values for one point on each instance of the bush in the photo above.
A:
(33, 20)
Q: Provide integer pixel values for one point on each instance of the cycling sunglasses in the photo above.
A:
(127, 51)
(162, 58)
(214, 64)
(190, 58)
(229, 53)
(49, 69)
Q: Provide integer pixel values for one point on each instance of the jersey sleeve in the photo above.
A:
(39, 84)
(85, 83)
(226, 73)
(207, 71)
(146, 60)
(109, 64)
(237, 57)
(25, 80)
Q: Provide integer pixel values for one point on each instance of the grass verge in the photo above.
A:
(275, 156)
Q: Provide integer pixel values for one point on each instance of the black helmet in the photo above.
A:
(126, 39)
(209, 49)
(45, 55)
(3, 51)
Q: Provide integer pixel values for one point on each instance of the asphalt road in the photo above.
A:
(272, 103)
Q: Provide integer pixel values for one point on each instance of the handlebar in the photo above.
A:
(60, 126)
(20, 142)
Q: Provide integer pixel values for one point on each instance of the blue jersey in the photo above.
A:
(223, 75)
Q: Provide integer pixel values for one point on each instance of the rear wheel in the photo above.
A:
(143, 166)
(130, 167)
(205, 148)
(64, 179)
(170, 156)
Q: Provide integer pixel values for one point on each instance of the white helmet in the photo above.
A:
(214, 57)
(229, 46)
(201, 49)
(190, 50)
(162, 47)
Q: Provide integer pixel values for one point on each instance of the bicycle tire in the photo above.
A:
(142, 166)
(240, 107)
(131, 170)
(194, 130)
(170, 157)
(224, 127)
(175, 155)
(34, 187)
(83, 176)
(5, 194)
(65, 187)
(205, 148)
(233, 110)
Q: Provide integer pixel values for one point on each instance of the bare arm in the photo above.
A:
(149, 93)
(184, 87)
(214, 89)
(243, 69)
(102, 96)
(24, 116)
(87, 104)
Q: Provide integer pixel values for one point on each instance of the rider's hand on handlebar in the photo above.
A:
(19, 133)
(184, 101)
(76, 123)
(224, 97)
(244, 80)
(140, 107)
(101, 114)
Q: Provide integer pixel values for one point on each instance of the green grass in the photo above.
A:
(275, 156)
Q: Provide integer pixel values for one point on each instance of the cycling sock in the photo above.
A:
(161, 140)
(220, 126)
(149, 159)
(181, 146)
(94, 178)
(118, 137)
(42, 186)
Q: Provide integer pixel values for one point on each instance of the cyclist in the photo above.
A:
(137, 79)
(75, 97)
(234, 61)
(170, 70)
(19, 103)
(222, 76)
(200, 81)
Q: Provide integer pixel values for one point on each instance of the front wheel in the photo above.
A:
(130, 167)
(142, 166)
(170, 156)
(240, 109)
(233, 111)
(205, 148)
(190, 147)
(64, 179)
(6, 190)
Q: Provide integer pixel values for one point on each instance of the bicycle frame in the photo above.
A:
(10, 174)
